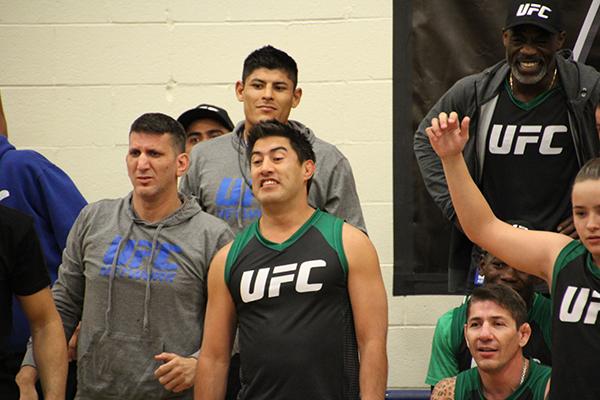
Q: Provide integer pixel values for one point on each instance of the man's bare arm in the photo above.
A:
(444, 390)
(3, 125)
(219, 330)
(533, 252)
(49, 342)
(369, 306)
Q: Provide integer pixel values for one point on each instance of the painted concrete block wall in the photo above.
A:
(75, 74)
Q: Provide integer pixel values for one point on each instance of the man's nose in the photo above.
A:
(142, 162)
(268, 92)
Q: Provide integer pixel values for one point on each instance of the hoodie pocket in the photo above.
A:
(120, 366)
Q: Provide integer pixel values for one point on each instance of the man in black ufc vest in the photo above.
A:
(532, 127)
(305, 289)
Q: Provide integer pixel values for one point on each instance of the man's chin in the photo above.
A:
(528, 78)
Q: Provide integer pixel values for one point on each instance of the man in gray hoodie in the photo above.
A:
(134, 273)
(219, 175)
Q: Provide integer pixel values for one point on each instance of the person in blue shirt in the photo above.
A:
(35, 186)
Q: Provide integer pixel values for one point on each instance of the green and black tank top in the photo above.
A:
(468, 384)
(296, 329)
(539, 317)
(576, 329)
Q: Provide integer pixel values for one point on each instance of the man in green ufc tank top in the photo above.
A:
(304, 287)
(496, 332)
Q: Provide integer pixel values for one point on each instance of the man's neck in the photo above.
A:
(279, 222)
(155, 210)
(498, 385)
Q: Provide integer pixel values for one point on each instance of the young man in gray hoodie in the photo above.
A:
(219, 176)
(134, 273)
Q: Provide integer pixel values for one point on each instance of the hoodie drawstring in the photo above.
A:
(149, 276)
(113, 269)
(111, 276)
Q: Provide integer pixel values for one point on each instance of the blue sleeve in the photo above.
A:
(62, 201)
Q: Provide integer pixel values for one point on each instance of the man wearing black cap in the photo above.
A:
(203, 123)
(532, 127)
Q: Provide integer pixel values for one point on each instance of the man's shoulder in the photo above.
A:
(216, 147)
(20, 161)
(207, 221)
(101, 208)
(469, 82)
(450, 323)
(322, 147)
(444, 389)
(446, 318)
(577, 75)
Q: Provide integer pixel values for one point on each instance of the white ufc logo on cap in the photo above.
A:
(533, 8)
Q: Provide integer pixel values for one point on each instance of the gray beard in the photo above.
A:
(528, 79)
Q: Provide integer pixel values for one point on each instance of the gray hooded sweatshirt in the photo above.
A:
(219, 177)
(139, 289)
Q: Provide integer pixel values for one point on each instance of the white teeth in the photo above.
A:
(269, 182)
(529, 64)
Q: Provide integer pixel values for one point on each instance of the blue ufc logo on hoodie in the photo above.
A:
(230, 202)
(130, 262)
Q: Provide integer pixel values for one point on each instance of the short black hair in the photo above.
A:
(160, 124)
(505, 296)
(270, 58)
(298, 140)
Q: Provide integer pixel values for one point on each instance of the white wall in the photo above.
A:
(74, 75)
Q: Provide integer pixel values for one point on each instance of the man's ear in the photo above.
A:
(309, 169)
(505, 38)
(297, 97)
(524, 332)
(239, 90)
(183, 163)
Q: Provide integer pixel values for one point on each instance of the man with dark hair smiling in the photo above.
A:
(300, 335)
(219, 175)
(532, 127)
(449, 352)
(496, 332)
(134, 273)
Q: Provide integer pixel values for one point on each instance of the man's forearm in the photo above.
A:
(373, 371)
(50, 351)
(211, 379)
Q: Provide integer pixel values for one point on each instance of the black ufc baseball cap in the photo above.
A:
(545, 14)
(207, 111)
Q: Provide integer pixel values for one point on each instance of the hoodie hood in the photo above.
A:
(189, 207)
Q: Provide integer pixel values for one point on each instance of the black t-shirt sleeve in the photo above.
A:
(29, 273)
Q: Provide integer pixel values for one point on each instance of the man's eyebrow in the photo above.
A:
(278, 148)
